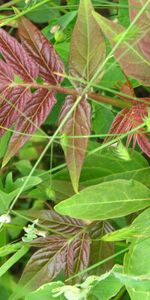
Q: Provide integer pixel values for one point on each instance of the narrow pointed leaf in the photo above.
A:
(77, 125)
(106, 200)
(87, 44)
(128, 53)
(41, 51)
(34, 115)
(143, 24)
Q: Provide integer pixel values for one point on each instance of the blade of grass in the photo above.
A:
(13, 259)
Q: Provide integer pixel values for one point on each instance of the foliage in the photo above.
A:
(74, 92)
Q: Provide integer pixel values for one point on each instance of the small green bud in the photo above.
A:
(51, 194)
(60, 36)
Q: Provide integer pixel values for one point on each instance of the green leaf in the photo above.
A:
(106, 166)
(123, 14)
(40, 14)
(46, 292)
(87, 44)
(9, 248)
(106, 200)
(4, 140)
(13, 259)
(137, 263)
(136, 229)
(63, 23)
(93, 285)
(102, 120)
(7, 196)
(107, 286)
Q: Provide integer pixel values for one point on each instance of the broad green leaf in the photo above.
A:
(127, 52)
(136, 229)
(93, 285)
(106, 166)
(46, 292)
(137, 263)
(106, 200)
(78, 125)
(40, 14)
(107, 286)
(87, 44)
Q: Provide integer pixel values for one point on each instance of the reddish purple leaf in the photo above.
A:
(17, 57)
(130, 118)
(128, 52)
(34, 115)
(77, 125)
(41, 51)
(46, 263)
(58, 252)
(100, 250)
(81, 248)
(58, 223)
(17, 74)
(13, 99)
(143, 24)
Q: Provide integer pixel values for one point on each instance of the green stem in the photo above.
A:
(10, 3)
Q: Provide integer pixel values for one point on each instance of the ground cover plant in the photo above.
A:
(75, 150)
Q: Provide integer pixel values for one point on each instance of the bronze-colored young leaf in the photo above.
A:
(143, 24)
(20, 106)
(41, 51)
(46, 263)
(66, 226)
(17, 57)
(130, 118)
(56, 255)
(13, 98)
(34, 115)
(100, 250)
(87, 44)
(78, 125)
(128, 52)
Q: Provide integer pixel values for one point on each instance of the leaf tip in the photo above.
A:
(6, 159)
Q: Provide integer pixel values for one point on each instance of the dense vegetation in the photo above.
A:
(74, 150)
